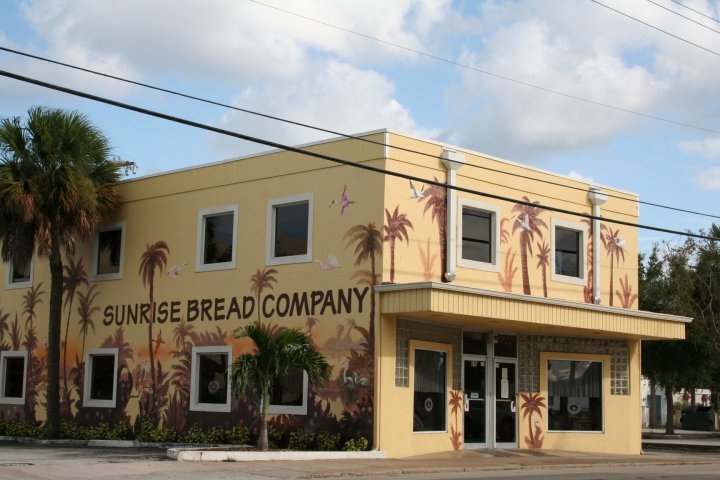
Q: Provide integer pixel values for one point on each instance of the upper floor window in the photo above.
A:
(209, 378)
(290, 393)
(570, 243)
(290, 230)
(479, 236)
(109, 247)
(217, 238)
(13, 376)
(20, 273)
(100, 386)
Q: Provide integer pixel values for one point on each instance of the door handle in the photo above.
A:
(466, 403)
(512, 406)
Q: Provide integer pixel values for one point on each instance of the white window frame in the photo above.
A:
(96, 251)
(200, 265)
(195, 405)
(494, 211)
(92, 402)
(10, 270)
(3, 372)
(293, 409)
(582, 254)
(270, 259)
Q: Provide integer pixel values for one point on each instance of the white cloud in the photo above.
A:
(335, 96)
(709, 179)
(580, 177)
(708, 148)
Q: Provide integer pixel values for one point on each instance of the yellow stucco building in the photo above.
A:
(463, 301)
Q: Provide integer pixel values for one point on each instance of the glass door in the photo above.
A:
(475, 408)
(505, 408)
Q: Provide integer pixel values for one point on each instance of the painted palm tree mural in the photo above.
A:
(4, 328)
(74, 275)
(543, 257)
(456, 405)
(395, 228)
(367, 241)
(153, 259)
(509, 269)
(261, 280)
(435, 198)
(36, 364)
(625, 294)
(615, 249)
(427, 259)
(86, 309)
(532, 408)
(528, 223)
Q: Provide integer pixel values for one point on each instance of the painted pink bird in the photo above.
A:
(345, 201)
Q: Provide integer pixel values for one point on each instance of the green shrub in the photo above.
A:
(216, 434)
(301, 440)
(238, 435)
(356, 445)
(150, 433)
(327, 441)
(24, 428)
(194, 434)
(275, 438)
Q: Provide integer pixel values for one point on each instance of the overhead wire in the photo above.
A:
(335, 159)
(683, 16)
(696, 11)
(656, 28)
(333, 132)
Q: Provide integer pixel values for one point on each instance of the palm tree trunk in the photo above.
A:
(392, 260)
(669, 414)
(524, 263)
(263, 434)
(544, 275)
(54, 331)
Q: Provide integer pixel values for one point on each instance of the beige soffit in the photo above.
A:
(431, 300)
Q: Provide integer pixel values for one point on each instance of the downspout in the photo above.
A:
(452, 161)
(597, 199)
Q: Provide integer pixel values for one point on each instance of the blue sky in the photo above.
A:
(480, 81)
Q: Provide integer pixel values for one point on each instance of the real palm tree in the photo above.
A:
(277, 350)
(527, 221)
(396, 228)
(154, 258)
(57, 185)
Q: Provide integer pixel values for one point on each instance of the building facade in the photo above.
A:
(463, 301)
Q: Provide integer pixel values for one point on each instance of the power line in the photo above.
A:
(696, 11)
(333, 132)
(491, 74)
(334, 159)
(683, 16)
(657, 28)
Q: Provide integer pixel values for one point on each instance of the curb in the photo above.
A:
(225, 455)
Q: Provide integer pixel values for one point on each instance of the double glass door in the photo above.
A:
(490, 403)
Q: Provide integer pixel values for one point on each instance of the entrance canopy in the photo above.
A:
(501, 311)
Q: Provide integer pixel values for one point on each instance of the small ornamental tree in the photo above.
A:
(277, 350)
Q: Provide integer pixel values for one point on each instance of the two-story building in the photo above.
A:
(463, 301)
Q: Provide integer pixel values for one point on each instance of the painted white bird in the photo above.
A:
(525, 222)
(414, 192)
(620, 243)
(175, 270)
(332, 262)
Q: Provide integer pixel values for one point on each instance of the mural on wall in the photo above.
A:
(396, 228)
(435, 201)
(615, 249)
(509, 270)
(456, 406)
(532, 409)
(528, 223)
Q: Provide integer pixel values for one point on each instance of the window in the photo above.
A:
(20, 273)
(109, 252)
(479, 236)
(429, 407)
(210, 378)
(100, 387)
(13, 373)
(575, 395)
(290, 230)
(217, 238)
(570, 243)
(289, 393)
